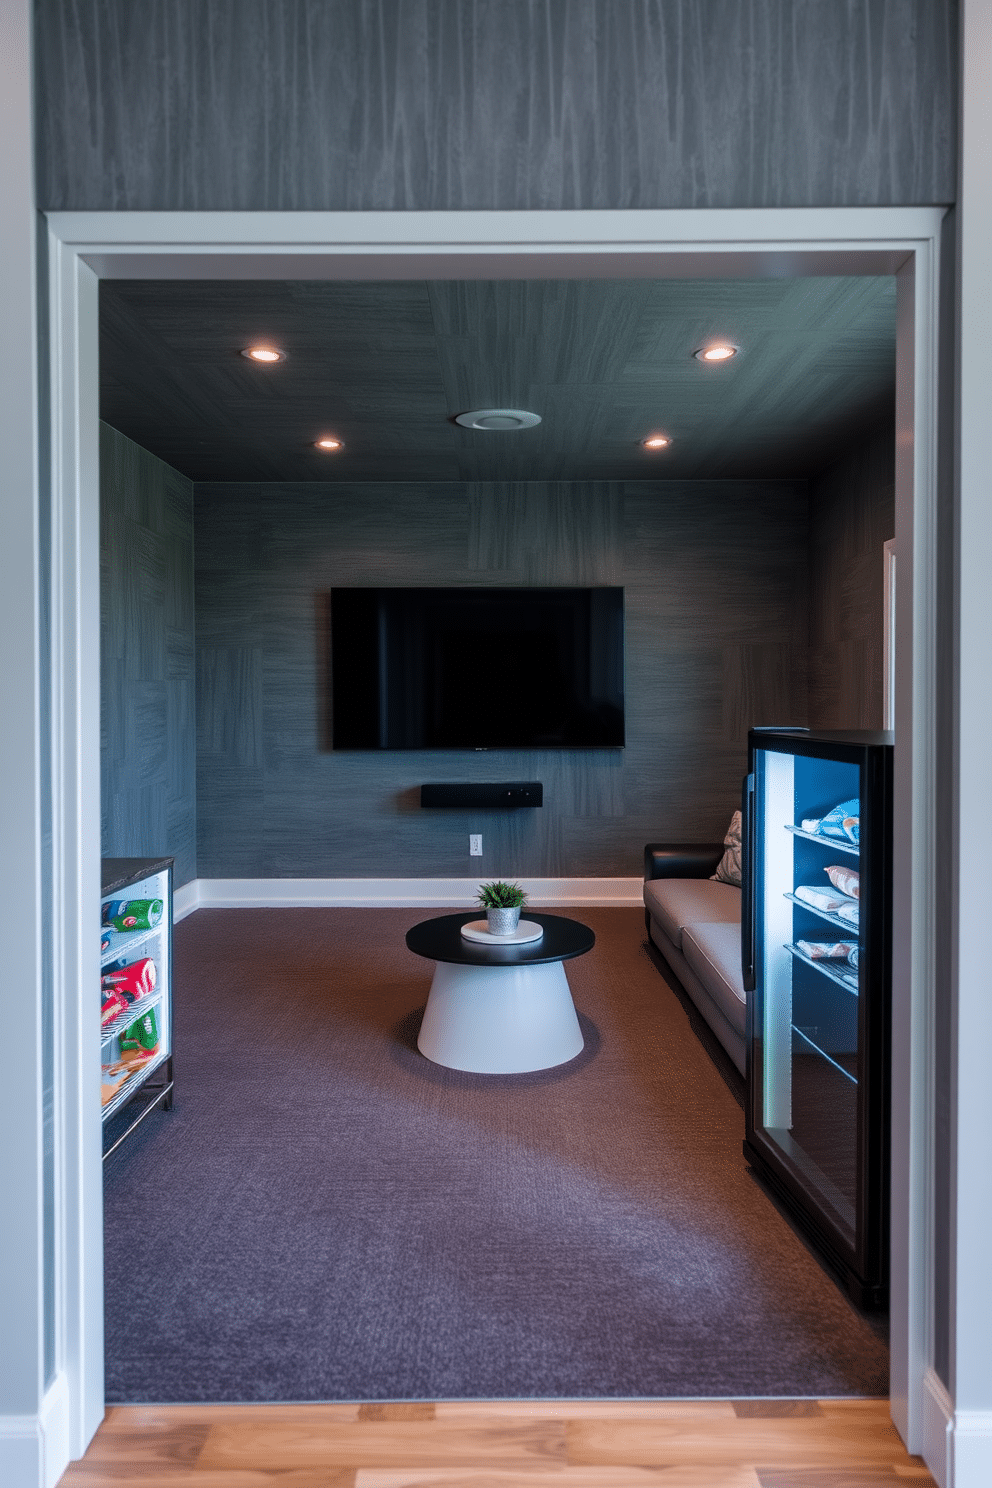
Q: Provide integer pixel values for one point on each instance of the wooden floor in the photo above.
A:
(500, 1444)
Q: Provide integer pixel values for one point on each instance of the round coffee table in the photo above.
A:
(499, 1009)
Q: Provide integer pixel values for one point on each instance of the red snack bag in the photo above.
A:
(112, 1004)
(132, 981)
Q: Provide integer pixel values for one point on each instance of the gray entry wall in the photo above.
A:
(453, 104)
(148, 731)
(717, 628)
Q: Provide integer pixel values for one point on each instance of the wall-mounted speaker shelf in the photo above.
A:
(504, 793)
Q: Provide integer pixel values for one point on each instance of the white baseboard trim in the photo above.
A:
(397, 893)
(34, 1450)
(937, 1418)
(185, 900)
(22, 1452)
(957, 1444)
(969, 1456)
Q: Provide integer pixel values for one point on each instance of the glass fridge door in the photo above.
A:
(809, 939)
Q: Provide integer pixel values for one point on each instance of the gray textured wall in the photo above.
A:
(455, 104)
(148, 732)
(714, 574)
(852, 514)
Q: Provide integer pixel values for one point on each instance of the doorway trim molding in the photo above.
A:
(763, 243)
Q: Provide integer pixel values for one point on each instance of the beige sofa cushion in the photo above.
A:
(677, 902)
(714, 953)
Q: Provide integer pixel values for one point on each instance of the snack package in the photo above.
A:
(131, 914)
(844, 821)
(827, 900)
(142, 1036)
(123, 985)
(112, 1004)
(824, 950)
(135, 980)
(845, 880)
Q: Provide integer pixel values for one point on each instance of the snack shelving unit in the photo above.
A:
(136, 1028)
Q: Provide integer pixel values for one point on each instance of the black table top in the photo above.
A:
(441, 939)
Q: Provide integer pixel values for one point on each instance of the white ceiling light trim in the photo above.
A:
(719, 352)
(265, 354)
(504, 419)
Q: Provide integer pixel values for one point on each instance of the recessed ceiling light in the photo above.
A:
(498, 418)
(656, 441)
(264, 354)
(329, 443)
(721, 353)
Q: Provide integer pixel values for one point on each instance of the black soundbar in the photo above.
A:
(505, 793)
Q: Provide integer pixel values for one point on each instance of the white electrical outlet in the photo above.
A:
(475, 844)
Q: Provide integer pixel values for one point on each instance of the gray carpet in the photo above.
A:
(325, 1215)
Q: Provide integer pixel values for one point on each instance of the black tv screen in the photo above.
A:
(480, 668)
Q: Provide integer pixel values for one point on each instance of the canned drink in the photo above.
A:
(132, 914)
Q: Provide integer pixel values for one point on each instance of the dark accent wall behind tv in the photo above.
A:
(714, 575)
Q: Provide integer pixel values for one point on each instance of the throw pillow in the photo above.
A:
(729, 870)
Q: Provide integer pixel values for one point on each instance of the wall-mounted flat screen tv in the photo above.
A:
(477, 668)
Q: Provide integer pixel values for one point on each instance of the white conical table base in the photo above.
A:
(500, 1020)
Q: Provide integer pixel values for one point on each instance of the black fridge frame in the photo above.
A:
(862, 1268)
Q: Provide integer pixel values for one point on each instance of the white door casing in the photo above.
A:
(747, 243)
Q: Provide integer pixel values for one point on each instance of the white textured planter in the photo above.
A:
(502, 921)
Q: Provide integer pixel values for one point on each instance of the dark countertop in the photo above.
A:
(118, 873)
(441, 939)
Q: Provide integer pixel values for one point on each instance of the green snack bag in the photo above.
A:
(142, 1035)
(132, 914)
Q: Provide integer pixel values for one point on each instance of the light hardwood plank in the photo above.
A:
(828, 1477)
(307, 1442)
(786, 1442)
(769, 1409)
(154, 1447)
(85, 1474)
(585, 1410)
(568, 1477)
(398, 1410)
(142, 1418)
(876, 1407)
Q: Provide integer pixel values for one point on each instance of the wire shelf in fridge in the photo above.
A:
(836, 843)
(124, 943)
(823, 914)
(131, 1014)
(133, 1084)
(847, 979)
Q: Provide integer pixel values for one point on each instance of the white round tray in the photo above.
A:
(526, 930)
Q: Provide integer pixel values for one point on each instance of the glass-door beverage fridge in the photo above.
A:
(816, 950)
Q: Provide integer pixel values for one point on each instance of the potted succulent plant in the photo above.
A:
(502, 903)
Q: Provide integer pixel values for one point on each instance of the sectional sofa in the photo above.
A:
(695, 924)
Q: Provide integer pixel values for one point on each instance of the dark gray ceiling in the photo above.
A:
(386, 366)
